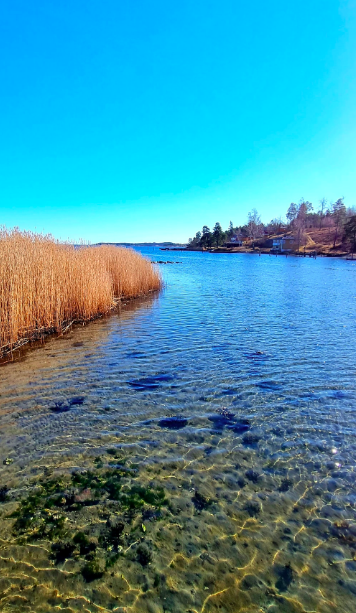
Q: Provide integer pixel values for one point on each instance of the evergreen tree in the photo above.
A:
(206, 238)
(350, 232)
(218, 234)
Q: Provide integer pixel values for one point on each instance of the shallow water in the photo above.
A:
(234, 390)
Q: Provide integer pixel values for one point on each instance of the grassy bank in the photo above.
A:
(46, 285)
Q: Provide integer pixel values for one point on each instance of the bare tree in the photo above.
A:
(292, 212)
(254, 224)
(323, 204)
(275, 225)
(339, 215)
(300, 221)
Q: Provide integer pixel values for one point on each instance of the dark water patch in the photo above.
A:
(4, 493)
(201, 502)
(135, 354)
(78, 344)
(285, 485)
(220, 421)
(253, 508)
(252, 475)
(62, 550)
(209, 450)
(173, 423)
(250, 439)
(240, 427)
(150, 383)
(112, 535)
(270, 386)
(277, 431)
(143, 555)
(229, 392)
(285, 577)
(228, 419)
(151, 514)
(258, 356)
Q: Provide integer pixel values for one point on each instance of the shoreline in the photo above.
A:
(266, 251)
(39, 339)
(342, 255)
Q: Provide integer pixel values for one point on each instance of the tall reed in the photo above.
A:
(45, 284)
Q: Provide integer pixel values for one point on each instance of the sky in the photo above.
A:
(144, 121)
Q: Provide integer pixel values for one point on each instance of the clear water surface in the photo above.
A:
(233, 390)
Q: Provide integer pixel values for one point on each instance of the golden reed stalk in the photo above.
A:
(45, 285)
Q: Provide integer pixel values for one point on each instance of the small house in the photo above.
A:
(235, 240)
(284, 244)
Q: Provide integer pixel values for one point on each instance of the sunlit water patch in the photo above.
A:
(195, 452)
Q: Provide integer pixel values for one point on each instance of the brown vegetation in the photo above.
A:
(316, 240)
(46, 285)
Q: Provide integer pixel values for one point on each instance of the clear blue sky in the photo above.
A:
(133, 121)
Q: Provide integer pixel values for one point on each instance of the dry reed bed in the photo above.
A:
(46, 285)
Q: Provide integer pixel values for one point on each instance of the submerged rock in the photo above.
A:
(3, 493)
(252, 508)
(62, 407)
(240, 427)
(201, 502)
(144, 555)
(62, 550)
(173, 423)
(285, 578)
(149, 383)
(229, 420)
(250, 439)
(285, 485)
(76, 400)
(251, 475)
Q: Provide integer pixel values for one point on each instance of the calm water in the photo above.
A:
(254, 357)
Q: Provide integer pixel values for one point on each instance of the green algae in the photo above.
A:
(56, 507)
(92, 570)
(144, 555)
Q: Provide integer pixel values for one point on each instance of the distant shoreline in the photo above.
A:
(262, 251)
(164, 244)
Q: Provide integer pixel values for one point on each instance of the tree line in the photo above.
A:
(341, 221)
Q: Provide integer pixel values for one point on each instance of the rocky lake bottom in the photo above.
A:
(184, 456)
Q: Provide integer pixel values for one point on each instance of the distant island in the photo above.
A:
(164, 244)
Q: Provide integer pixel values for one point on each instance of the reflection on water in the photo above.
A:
(195, 453)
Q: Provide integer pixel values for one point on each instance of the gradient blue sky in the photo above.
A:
(133, 121)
